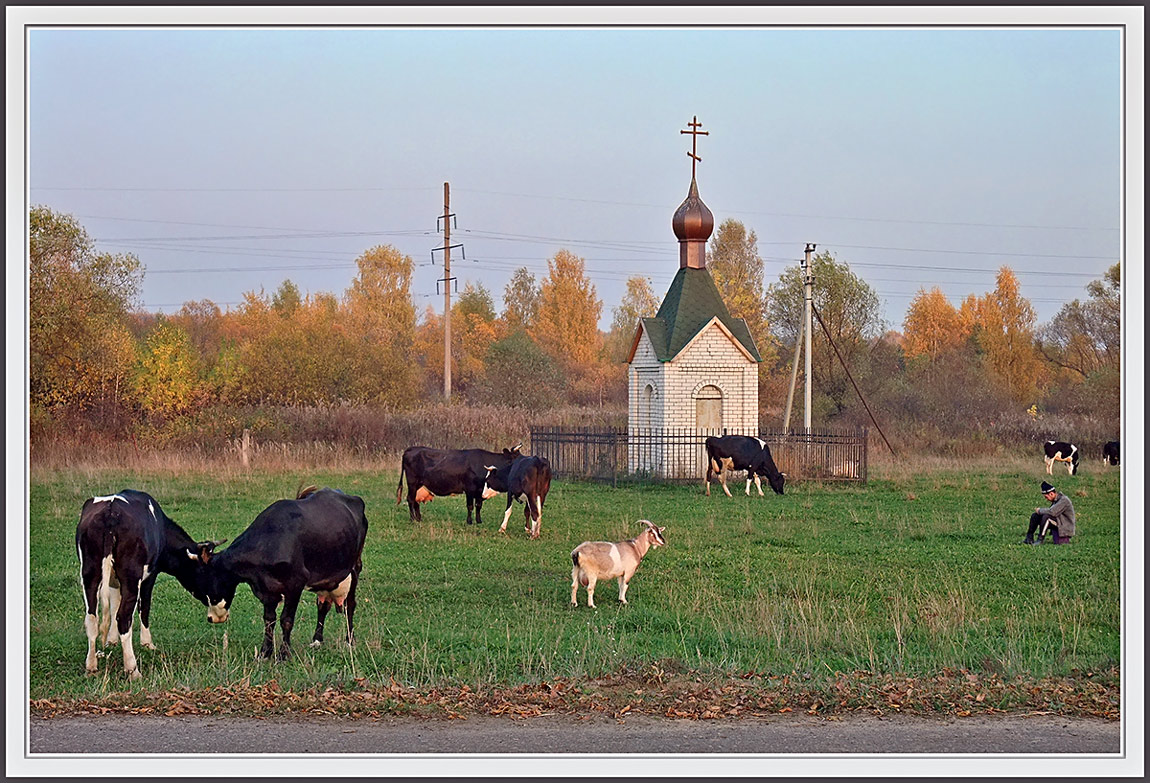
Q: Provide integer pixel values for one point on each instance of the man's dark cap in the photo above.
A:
(1046, 488)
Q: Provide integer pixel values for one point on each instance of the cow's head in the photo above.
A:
(514, 453)
(488, 491)
(215, 586)
(776, 481)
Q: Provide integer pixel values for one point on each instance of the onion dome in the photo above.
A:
(693, 224)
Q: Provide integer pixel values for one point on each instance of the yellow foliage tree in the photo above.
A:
(567, 325)
(932, 325)
(167, 378)
(381, 324)
(1005, 322)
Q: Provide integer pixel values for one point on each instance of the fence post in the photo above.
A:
(246, 447)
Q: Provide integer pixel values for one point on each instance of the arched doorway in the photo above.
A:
(709, 409)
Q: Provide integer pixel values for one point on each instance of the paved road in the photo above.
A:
(127, 734)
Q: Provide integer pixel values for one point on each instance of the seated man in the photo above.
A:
(1059, 517)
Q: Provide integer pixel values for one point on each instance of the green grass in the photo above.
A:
(918, 571)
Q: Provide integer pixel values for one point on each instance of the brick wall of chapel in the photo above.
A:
(711, 359)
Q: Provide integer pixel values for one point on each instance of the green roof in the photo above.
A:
(691, 302)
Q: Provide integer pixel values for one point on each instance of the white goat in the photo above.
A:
(595, 560)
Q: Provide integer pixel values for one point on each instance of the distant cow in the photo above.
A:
(1110, 453)
(430, 472)
(527, 479)
(314, 542)
(1060, 451)
(124, 541)
(742, 452)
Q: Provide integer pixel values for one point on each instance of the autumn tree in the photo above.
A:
(737, 269)
(567, 325)
(638, 302)
(1086, 337)
(286, 299)
(849, 309)
(80, 348)
(932, 325)
(1006, 333)
(520, 301)
(381, 322)
(167, 378)
(520, 374)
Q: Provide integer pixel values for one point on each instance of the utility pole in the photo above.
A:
(808, 283)
(447, 218)
(794, 376)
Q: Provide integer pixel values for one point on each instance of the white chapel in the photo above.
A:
(692, 366)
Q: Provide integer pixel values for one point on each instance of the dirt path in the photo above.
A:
(130, 734)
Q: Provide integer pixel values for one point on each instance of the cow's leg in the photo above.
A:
(349, 603)
(146, 611)
(91, 576)
(506, 514)
(412, 505)
(287, 620)
(323, 606)
(129, 589)
(748, 489)
(109, 600)
(723, 478)
(271, 603)
(1049, 466)
(535, 514)
(759, 484)
(710, 472)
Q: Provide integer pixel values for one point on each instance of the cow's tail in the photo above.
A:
(399, 489)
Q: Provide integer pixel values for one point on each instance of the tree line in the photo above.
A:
(96, 360)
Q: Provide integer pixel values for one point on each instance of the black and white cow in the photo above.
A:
(1061, 451)
(527, 479)
(1110, 453)
(314, 542)
(430, 472)
(124, 541)
(742, 452)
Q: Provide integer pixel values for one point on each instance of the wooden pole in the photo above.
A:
(446, 291)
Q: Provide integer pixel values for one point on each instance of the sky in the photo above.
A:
(228, 160)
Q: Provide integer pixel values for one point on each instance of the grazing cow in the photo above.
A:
(314, 542)
(430, 472)
(527, 479)
(124, 541)
(1110, 453)
(1060, 451)
(742, 452)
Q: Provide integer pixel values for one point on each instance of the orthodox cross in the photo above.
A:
(694, 126)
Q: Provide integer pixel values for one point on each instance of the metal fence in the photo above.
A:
(679, 455)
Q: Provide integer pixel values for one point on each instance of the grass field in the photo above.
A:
(917, 572)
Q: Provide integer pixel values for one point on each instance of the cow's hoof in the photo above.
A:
(134, 674)
(316, 642)
(148, 645)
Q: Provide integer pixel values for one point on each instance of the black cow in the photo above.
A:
(430, 472)
(124, 541)
(1110, 453)
(314, 542)
(527, 479)
(1061, 451)
(742, 452)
